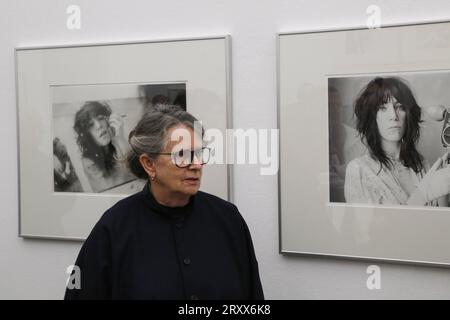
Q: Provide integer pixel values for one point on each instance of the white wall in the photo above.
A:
(36, 268)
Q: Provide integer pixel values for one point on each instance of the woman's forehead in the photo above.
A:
(385, 96)
(391, 99)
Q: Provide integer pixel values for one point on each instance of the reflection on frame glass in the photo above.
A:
(90, 136)
(364, 170)
(384, 139)
(76, 107)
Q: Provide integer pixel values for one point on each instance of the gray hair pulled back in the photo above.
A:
(149, 135)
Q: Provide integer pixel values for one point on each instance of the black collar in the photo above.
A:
(170, 212)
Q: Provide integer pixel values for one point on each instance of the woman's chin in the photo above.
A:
(393, 138)
(191, 189)
(105, 142)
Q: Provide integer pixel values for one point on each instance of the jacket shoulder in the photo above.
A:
(122, 210)
(213, 200)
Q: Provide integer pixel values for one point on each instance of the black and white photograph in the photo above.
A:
(388, 139)
(91, 124)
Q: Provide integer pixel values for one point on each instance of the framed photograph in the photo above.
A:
(76, 108)
(364, 118)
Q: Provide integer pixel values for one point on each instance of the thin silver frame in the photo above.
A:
(228, 103)
(328, 255)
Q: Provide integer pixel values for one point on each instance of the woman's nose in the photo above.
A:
(195, 166)
(196, 162)
(392, 112)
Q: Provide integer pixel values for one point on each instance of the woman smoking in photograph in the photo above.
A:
(393, 171)
(102, 143)
(169, 241)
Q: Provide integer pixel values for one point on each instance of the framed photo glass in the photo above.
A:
(364, 131)
(76, 108)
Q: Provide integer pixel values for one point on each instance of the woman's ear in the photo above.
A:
(148, 164)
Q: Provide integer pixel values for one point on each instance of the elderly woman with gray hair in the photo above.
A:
(169, 241)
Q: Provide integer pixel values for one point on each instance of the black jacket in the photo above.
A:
(140, 249)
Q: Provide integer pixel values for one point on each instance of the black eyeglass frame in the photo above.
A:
(174, 154)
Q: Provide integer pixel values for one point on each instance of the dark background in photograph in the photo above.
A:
(129, 101)
(429, 89)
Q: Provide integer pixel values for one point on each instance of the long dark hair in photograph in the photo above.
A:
(103, 157)
(378, 92)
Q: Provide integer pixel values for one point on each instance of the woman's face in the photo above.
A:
(391, 120)
(185, 181)
(100, 131)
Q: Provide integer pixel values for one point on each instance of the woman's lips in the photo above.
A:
(192, 180)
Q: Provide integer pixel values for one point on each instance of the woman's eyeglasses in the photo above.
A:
(184, 158)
